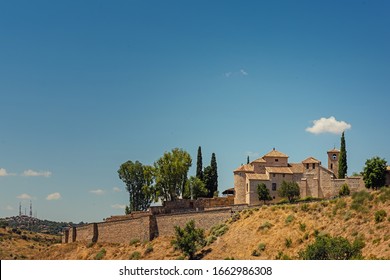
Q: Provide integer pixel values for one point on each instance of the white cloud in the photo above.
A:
(54, 196)
(32, 173)
(97, 192)
(243, 72)
(24, 196)
(116, 189)
(118, 206)
(328, 125)
(3, 173)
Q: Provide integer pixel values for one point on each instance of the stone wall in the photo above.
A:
(124, 231)
(144, 228)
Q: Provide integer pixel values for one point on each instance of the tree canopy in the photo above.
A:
(134, 175)
(343, 166)
(289, 190)
(194, 188)
(171, 173)
(263, 192)
(374, 174)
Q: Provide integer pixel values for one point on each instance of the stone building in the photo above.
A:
(272, 169)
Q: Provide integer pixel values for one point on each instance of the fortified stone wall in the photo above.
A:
(144, 228)
(124, 231)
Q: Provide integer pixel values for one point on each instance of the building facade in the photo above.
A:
(273, 168)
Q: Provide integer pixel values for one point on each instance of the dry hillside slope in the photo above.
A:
(268, 232)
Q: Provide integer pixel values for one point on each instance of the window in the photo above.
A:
(334, 156)
(284, 175)
(331, 166)
(314, 166)
(276, 159)
(247, 187)
(273, 175)
(274, 186)
(307, 166)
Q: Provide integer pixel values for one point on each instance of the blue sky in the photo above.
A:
(88, 85)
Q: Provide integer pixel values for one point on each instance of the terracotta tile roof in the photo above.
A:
(257, 177)
(296, 167)
(334, 150)
(279, 170)
(275, 153)
(262, 160)
(311, 160)
(244, 168)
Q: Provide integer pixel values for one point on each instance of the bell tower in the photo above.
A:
(333, 161)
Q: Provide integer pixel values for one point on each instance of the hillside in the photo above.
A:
(268, 232)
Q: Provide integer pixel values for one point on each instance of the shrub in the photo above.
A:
(288, 242)
(188, 239)
(235, 217)
(90, 244)
(134, 241)
(135, 255)
(261, 247)
(101, 254)
(302, 226)
(305, 207)
(289, 219)
(380, 216)
(332, 248)
(219, 230)
(265, 226)
(148, 249)
(344, 190)
(384, 194)
(359, 199)
(282, 256)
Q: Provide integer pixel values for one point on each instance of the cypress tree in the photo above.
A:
(247, 160)
(214, 175)
(199, 167)
(343, 167)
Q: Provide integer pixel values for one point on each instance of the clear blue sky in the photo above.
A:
(88, 85)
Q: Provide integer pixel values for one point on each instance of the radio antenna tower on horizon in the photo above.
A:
(30, 209)
(20, 209)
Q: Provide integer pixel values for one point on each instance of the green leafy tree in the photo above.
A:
(132, 174)
(332, 248)
(214, 176)
(188, 239)
(171, 174)
(289, 190)
(194, 188)
(199, 164)
(374, 174)
(343, 167)
(263, 193)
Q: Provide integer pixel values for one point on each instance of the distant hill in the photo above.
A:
(35, 225)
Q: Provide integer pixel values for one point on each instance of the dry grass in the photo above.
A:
(265, 233)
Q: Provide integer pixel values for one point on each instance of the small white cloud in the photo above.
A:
(118, 206)
(32, 173)
(243, 72)
(116, 189)
(328, 125)
(97, 192)
(54, 196)
(3, 173)
(228, 74)
(24, 196)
